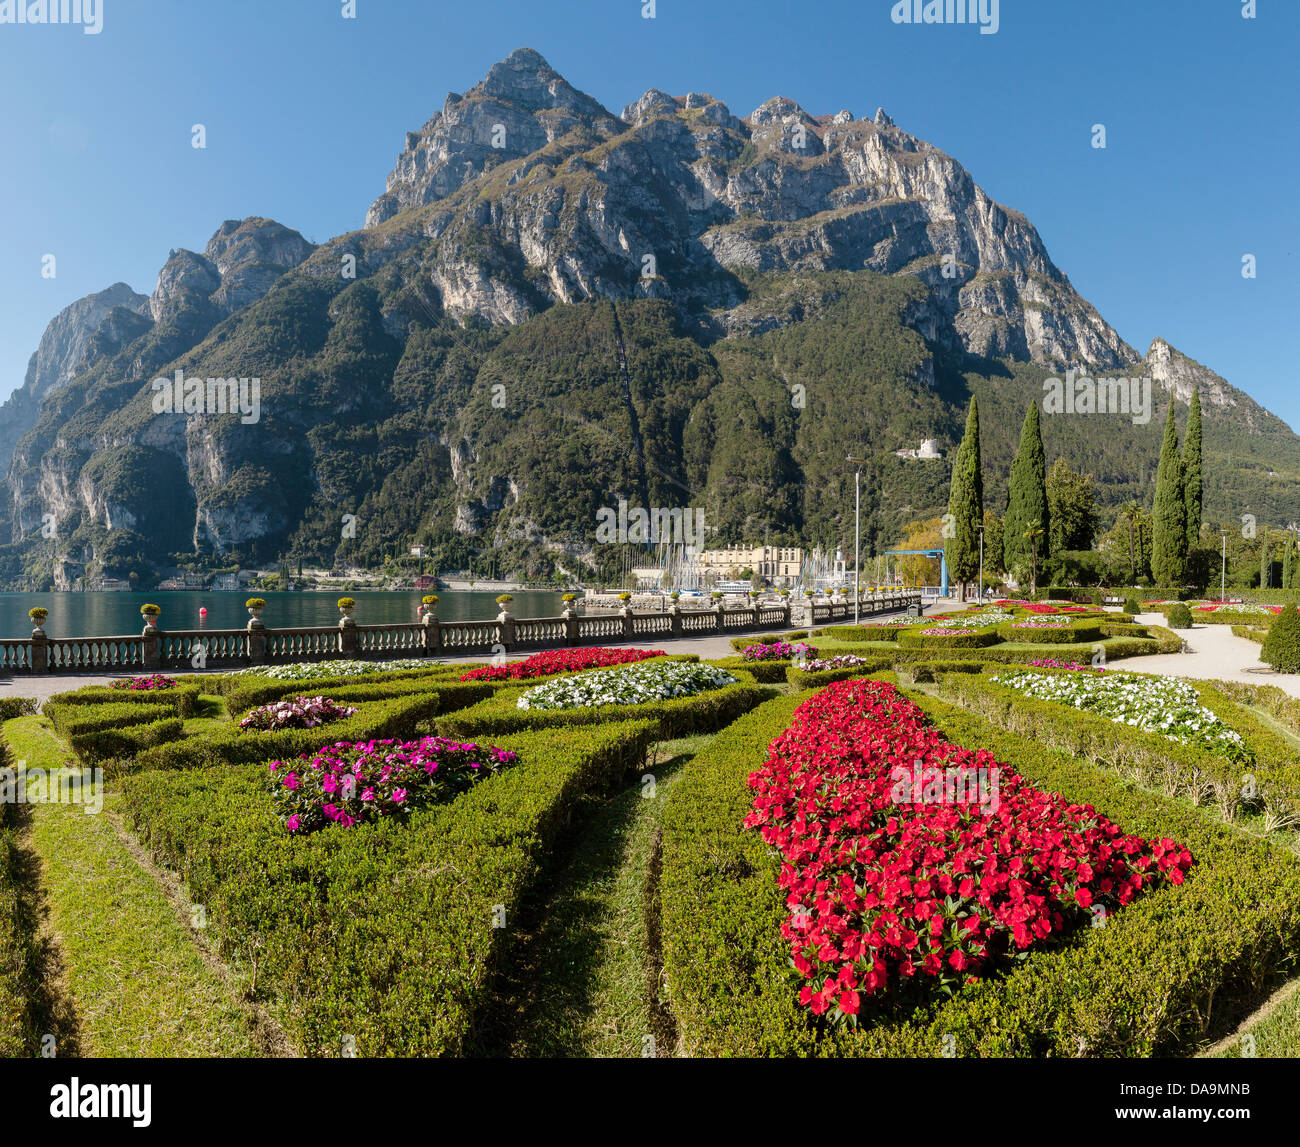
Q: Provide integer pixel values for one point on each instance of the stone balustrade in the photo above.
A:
(258, 644)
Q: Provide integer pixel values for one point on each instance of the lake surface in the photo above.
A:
(118, 614)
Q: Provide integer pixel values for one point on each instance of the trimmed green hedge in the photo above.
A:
(1175, 768)
(19, 946)
(679, 717)
(739, 644)
(981, 639)
(126, 742)
(927, 672)
(1079, 633)
(69, 720)
(801, 679)
(182, 700)
(399, 718)
(244, 692)
(1250, 633)
(384, 933)
(764, 672)
(855, 634)
(1137, 987)
(11, 707)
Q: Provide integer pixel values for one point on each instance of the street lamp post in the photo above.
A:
(1223, 574)
(857, 534)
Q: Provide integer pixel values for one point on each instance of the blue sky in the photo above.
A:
(305, 113)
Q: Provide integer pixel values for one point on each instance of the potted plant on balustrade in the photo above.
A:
(570, 602)
(150, 613)
(255, 605)
(504, 602)
(346, 606)
(428, 605)
(38, 614)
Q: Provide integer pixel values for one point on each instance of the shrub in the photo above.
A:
(346, 603)
(255, 603)
(1180, 617)
(1281, 648)
(947, 638)
(1131, 605)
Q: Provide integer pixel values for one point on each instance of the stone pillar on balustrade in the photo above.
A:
(152, 651)
(675, 619)
(506, 620)
(720, 616)
(432, 632)
(570, 616)
(349, 638)
(257, 643)
(629, 628)
(40, 651)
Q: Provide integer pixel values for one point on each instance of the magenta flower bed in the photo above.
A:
(351, 782)
(777, 651)
(1051, 663)
(152, 682)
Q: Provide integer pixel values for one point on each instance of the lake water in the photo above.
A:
(118, 614)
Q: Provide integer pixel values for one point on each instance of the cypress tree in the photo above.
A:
(1192, 470)
(1026, 500)
(1265, 564)
(1288, 563)
(1169, 533)
(966, 505)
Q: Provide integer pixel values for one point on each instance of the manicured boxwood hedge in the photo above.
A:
(1177, 768)
(400, 718)
(19, 920)
(910, 639)
(182, 699)
(1079, 633)
(680, 717)
(1250, 633)
(381, 932)
(926, 672)
(11, 707)
(244, 692)
(859, 633)
(764, 672)
(69, 720)
(1136, 987)
(801, 679)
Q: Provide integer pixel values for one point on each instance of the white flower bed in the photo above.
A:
(1161, 705)
(630, 685)
(978, 620)
(310, 670)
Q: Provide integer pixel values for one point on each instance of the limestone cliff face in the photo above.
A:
(678, 194)
(62, 350)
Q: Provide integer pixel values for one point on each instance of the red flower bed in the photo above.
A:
(894, 879)
(559, 661)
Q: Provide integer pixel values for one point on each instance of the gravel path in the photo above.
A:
(1216, 655)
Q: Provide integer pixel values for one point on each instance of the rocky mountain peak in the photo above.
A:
(522, 105)
(1179, 376)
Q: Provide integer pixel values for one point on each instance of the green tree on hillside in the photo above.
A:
(1192, 484)
(1027, 502)
(965, 505)
(1071, 502)
(1169, 544)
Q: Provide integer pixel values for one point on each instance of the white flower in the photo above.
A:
(626, 685)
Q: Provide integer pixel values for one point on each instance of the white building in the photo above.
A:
(928, 451)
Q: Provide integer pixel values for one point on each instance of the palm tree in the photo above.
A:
(1032, 534)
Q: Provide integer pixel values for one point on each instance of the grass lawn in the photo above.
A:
(1271, 1033)
(138, 982)
(585, 984)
